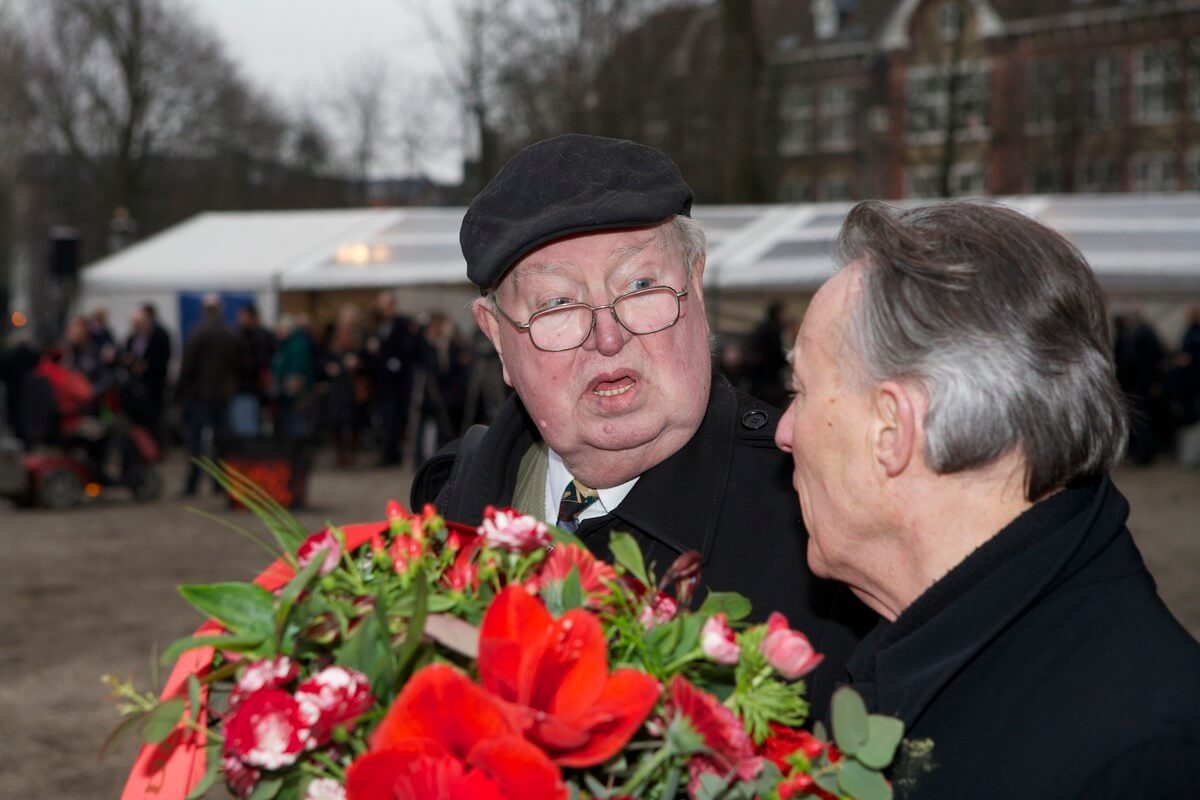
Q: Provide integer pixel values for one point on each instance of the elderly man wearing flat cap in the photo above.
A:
(591, 269)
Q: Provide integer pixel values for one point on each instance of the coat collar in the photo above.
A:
(901, 667)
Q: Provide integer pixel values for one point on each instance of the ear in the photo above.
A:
(697, 279)
(486, 319)
(896, 434)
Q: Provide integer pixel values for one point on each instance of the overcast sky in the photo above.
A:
(297, 49)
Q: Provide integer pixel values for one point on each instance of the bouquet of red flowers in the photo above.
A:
(417, 658)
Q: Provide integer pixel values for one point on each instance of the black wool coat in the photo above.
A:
(1043, 666)
(727, 494)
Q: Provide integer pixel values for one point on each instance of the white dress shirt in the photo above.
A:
(557, 478)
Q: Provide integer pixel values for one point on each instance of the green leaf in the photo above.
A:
(734, 606)
(689, 635)
(287, 598)
(211, 772)
(194, 708)
(162, 720)
(572, 591)
(559, 536)
(627, 553)
(126, 725)
(366, 650)
(267, 789)
(712, 786)
(827, 781)
(863, 784)
(819, 731)
(849, 720)
(243, 608)
(407, 653)
(883, 737)
(595, 787)
(234, 644)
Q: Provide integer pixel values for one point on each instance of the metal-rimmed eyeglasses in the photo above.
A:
(568, 326)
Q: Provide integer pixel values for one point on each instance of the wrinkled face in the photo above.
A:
(827, 429)
(620, 403)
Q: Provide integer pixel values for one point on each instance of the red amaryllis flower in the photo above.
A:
(788, 651)
(445, 738)
(729, 746)
(334, 696)
(267, 730)
(556, 673)
(323, 541)
(594, 574)
(783, 741)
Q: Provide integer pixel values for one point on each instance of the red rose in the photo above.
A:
(267, 730)
(334, 696)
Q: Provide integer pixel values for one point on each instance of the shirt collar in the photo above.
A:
(557, 478)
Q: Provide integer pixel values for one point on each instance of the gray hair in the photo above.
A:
(691, 242)
(1001, 321)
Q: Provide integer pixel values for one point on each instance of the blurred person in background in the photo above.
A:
(1189, 349)
(444, 364)
(1139, 358)
(393, 351)
(766, 359)
(348, 392)
(293, 372)
(207, 382)
(256, 346)
(147, 354)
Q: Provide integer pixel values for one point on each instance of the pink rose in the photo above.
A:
(313, 545)
(334, 696)
(267, 731)
(717, 640)
(509, 530)
(788, 651)
(662, 608)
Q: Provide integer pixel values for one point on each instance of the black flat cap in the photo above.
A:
(568, 184)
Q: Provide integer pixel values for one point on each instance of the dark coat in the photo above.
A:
(208, 373)
(1044, 665)
(154, 358)
(727, 494)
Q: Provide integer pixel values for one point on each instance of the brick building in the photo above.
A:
(841, 99)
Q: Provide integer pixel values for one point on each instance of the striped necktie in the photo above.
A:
(575, 498)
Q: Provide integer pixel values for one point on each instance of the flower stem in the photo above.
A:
(648, 768)
(682, 660)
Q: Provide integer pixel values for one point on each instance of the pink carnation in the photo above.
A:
(267, 730)
(324, 789)
(267, 673)
(509, 530)
(326, 541)
(717, 640)
(788, 651)
(334, 696)
(662, 608)
(240, 778)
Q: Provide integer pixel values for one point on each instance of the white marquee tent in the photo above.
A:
(1144, 248)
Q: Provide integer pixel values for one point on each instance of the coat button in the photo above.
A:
(754, 419)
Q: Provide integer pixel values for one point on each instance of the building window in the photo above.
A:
(950, 21)
(1194, 78)
(1048, 178)
(826, 16)
(837, 116)
(837, 187)
(1154, 172)
(1097, 175)
(929, 98)
(1155, 84)
(1101, 90)
(967, 180)
(1193, 170)
(1048, 91)
(925, 180)
(796, 190)
(795, 120)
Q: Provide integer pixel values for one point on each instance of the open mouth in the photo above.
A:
(613, 385)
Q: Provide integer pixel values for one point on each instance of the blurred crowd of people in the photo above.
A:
(378, 385)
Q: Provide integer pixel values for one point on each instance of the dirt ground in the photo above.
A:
(92, 591)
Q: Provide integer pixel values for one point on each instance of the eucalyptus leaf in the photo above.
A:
(162, 720)
(732, 604)
(862, 783)
(883, 738)
(454, 633)
(820, 732)
(243, 608)
(712, 786)
(627, 553)
(849, 715)
(827, 781)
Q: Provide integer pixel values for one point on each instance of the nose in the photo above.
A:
(783, 432)
(608, 335)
